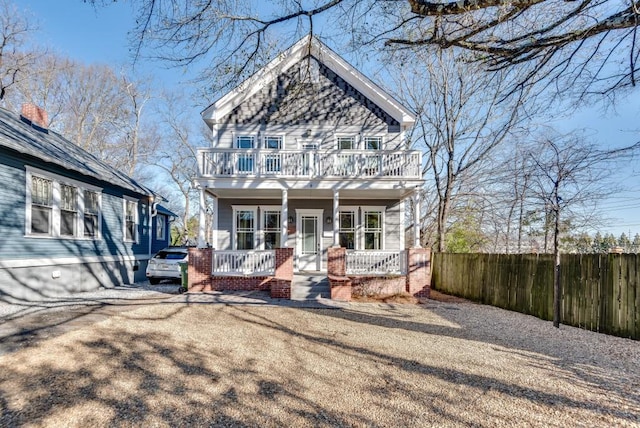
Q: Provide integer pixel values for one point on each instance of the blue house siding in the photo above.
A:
(35, 267)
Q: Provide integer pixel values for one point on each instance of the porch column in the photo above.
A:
(202, 224)
(284, 216)
(336, 218)
(214, 222)
(416, 218)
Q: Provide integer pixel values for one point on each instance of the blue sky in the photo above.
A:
(77, 30)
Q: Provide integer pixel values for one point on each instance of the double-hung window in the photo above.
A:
(347, 230)
(373, 143)
(91, 213)
(245, 160)
(373, 221)
(41, 205)
(244, 223)
(346, 142)
(271, 227)
(272, 160)
(68, 210)
(161, 222)
(60, 207)
(130, 220)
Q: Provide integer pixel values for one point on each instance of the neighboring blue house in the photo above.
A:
(68, 221)
(161, 223)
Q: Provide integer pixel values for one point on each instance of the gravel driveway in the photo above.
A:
(183, 360)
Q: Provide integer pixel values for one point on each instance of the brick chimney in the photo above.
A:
(35, 115)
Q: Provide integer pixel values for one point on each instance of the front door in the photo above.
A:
(309, 240)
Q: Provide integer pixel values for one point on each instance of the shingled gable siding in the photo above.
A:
(329, 106)
(15, 247)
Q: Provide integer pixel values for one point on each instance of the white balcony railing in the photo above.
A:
(309, 163)
(376, 262)
(244, 262)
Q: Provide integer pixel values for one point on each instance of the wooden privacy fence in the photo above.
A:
(600, 292)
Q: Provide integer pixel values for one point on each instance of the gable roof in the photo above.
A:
(305, 46)
(23, 137)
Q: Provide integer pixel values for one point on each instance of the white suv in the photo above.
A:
(164, 265)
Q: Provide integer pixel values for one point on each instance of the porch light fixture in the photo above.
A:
(328, 220)
(290, 219)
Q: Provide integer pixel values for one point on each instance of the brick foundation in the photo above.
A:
(364, 285)
(281, 283)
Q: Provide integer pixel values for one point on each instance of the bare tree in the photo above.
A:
(15, 59)
(570, 176)
(590, 42)
(463, 119)
(175, 153)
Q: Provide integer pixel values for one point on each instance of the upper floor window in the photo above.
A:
(273, 142)
(245, 142)
(346, 143)
(41, 205)
(56, 206)
(130, 220)
(373, 143)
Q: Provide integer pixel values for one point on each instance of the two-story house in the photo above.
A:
(308, 154)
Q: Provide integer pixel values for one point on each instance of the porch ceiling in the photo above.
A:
(276, 193)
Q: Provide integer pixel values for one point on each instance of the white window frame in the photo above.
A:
(136, 219)
(263, 210)
(352, 137)
(356, 221)
(239, 137)
(274, 136)
(363, 213)
(54, 226)
(378, 137)
(234, 236)
(163, 229)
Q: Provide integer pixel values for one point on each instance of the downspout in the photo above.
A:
(152, 213)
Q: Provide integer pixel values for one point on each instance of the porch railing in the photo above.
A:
(309, 163)
(244, 262)
(376, 262)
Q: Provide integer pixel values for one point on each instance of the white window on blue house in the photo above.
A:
(91, 214)
(41, 206)
(68, 210)
(61, 207)
(130, 220)
(161, 229)
(244, 227)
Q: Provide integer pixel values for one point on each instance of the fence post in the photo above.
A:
(418, 279)
(199, 269)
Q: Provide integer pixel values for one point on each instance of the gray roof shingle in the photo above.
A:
(19, 135)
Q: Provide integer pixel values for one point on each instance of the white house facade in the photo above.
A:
(308, 154)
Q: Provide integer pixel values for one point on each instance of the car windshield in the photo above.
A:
(170, 255)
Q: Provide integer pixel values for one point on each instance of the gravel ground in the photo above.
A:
(181, 360)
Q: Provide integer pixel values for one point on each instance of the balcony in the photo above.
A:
(226, 163)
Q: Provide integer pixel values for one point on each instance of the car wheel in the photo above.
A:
(154, 281)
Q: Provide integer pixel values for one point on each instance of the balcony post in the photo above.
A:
(202, 242)
(284, 235)
(416, 218)
(336, 218)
